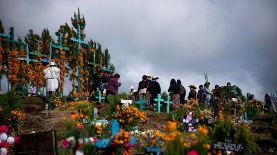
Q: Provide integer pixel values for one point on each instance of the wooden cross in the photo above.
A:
(168, 102)
(141, 102)
(100, 97)
(79, 41)
(158, 100)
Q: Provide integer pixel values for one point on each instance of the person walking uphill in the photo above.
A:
(52, 77)
(113, 85)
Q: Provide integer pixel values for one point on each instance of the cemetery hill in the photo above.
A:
(38, 117)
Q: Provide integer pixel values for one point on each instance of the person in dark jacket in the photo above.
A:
(174, 91)
(95, 84)
(154, 89)
(182, 91)
(201, 96)
(113, 85)
(143, 85)
(192, 93)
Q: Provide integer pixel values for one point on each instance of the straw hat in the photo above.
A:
(192, 86)
(52, 64)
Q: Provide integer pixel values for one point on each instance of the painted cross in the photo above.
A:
(168, 102)
(158, 100)
(27, 59)
(79, 41)
(100, 97)
(57, 46)
(10, 36)
(38, 52)
(141, 102)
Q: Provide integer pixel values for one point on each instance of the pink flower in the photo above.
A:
(192, 152)
(80, 126)
(3, 144)
(3, 129)
(64, 143)
(16, 139)
(95, 139)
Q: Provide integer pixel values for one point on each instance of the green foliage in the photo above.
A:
(110, 107)
(243, 137)
(8, 102)
(222, 131)
(174, 147)
(178, 114)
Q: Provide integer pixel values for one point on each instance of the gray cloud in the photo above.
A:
(229, 40)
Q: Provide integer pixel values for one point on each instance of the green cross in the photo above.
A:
(140, 102)
(168, 102)
(79, 41)
(57, 46)
(100, 97)
(158, 100)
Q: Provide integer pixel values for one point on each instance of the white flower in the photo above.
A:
(80, 141)
(79, 152)
(190, 113)
(98, 124)
(3, 136)
(3, 151)
(71, 139)
(10, 140)
(91, 139)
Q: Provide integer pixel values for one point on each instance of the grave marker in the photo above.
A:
(158, 100)
(100, 97)
(141, 102)
(168, 102)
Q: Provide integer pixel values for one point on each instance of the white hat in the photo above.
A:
(132, 87)
(52, 63)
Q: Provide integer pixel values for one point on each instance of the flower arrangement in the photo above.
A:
(120, 143)
(77, 141)
(190, 122)
(129, 116)
(254, 107)
(6, 141)
(13, 67)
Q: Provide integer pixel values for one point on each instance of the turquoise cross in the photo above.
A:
(57, 46)
(79, 41)
(38, 53)
(140, 102)
(168, 102)
(100, 97)
(158, 100)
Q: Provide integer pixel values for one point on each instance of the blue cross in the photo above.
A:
(141, 102)
(38, 52)
(99, 97)
(27, 59)
(168, 102)
(158, 100)
(57, 46)
(79, 41)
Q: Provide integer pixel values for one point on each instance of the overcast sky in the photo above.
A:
(231, 40)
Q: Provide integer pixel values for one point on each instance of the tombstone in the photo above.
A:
(140, 102)
(46, 110)
(168, 102)
(41, 143)
(227, 146)
(158, 100)
(125, 103)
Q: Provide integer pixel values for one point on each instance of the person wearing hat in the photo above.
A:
(154, 89)
(52, 77)
(192, 93)
(201, 96)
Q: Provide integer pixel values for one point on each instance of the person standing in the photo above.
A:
(174, 91)
(182, 91)
(52, 77)
(192, 92)
(201, 95)
(113, 85)
(154, 89)
(207, 92)
(143, 85)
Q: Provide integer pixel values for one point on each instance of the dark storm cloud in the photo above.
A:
(229, 40)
